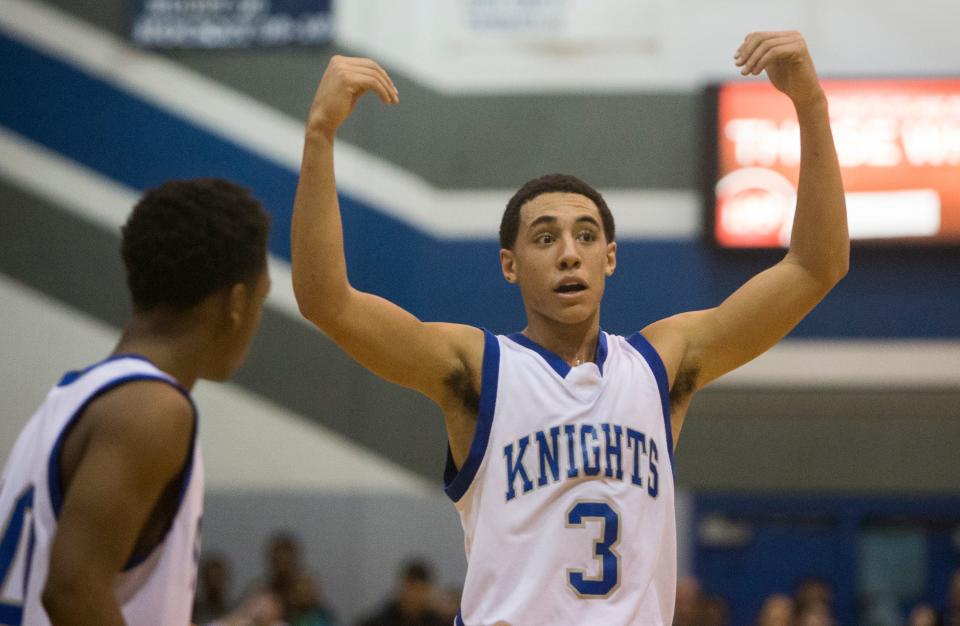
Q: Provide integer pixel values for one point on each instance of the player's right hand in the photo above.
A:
(344, 82)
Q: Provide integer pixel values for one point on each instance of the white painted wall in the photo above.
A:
(679, 44)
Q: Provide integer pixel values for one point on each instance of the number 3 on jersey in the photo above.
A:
(607, 579)
(16, 550)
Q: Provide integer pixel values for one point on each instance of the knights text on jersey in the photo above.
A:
(157, 590)
(566, 496)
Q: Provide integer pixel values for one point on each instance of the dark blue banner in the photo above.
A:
(231, 23)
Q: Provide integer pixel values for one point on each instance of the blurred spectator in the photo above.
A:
(813, 591)
(262, 608)
(953, 601)
(289, 583)
(687, 611)
(923, 615)
(448, 602)
(283, 563)
(714, 611)
(213, 590)
(413, 602)
(814, 614)
(303, 604)
(813, 603)
(286, 579)
(777, 610)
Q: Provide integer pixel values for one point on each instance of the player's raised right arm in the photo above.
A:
(380, 335)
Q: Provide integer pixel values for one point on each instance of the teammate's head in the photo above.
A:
(198, 247)
(551, 183)
(557, 244)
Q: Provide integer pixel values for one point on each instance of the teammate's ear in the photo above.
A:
(508, 265)
(611, 264)
(237, 303)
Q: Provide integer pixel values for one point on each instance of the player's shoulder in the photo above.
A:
(673, 333)
(142, 412)
(466, 341)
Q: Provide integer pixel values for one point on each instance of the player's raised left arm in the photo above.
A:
(700, 346)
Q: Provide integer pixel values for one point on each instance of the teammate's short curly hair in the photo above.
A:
(563, 183)
(187, 239)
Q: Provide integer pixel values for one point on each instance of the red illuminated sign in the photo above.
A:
(898, 142)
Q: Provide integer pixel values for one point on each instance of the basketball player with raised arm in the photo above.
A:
(561, 436)
(102, 494)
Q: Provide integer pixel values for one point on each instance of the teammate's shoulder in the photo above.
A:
(143, 409)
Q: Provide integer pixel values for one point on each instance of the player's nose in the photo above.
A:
(569, 257)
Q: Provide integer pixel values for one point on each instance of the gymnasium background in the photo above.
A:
(835, 455)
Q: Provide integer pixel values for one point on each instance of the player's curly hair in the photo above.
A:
(564, 183)
(187, 239)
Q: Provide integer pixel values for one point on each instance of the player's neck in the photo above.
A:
(574, 343)
(174, 346)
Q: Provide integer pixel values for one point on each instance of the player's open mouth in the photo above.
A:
(570, 288)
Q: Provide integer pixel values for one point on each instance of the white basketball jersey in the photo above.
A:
(157, 590)
(566, 496)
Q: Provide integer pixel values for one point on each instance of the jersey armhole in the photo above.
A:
(650, 355)
(457, 482)
(54, 486)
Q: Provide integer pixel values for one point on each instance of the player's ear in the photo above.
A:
(508, 265)
(611, 260)
(239, 298)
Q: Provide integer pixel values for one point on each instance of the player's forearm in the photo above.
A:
(318, 264)
(820, 241)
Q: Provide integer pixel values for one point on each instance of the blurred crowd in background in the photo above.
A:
(810, 604)
(290, 593)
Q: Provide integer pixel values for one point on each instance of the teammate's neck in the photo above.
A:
(574, 343)
(174, 346)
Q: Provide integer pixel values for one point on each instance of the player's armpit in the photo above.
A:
(139, 436)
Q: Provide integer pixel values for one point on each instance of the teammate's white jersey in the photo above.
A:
(566, 496)
(158, 589)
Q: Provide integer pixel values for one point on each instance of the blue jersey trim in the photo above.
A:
(561, 367)
(456, 482)
(459, 620)
(72, 376)
(600, 357)
(649, 353)
(53, 465)
(10, 614)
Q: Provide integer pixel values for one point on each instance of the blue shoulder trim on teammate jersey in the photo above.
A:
(459, 620)
(53, 464)
(560, 366)
(72, 376)
(649, 353)
(456, 482)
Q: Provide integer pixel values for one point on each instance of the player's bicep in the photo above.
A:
(754, 318)
(141, 440)
(392, 343)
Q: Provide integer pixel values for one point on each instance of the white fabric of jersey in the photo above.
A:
(158, 590)
(567, 496)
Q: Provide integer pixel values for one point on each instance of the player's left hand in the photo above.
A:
(784, 55)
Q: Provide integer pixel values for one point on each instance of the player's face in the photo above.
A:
(246, 312)
(561, 258)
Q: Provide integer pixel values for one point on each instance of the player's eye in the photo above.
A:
(587, 236)
(543, 238)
